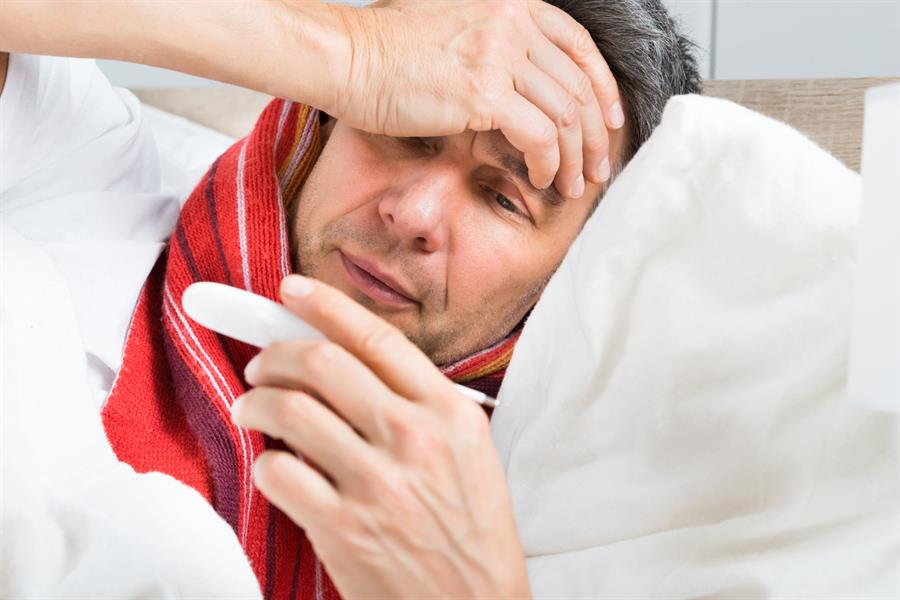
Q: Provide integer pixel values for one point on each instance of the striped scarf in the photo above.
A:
(169, 409)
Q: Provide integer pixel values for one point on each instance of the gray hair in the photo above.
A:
(649, 57)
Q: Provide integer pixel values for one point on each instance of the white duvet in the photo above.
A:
(83, 216)
(74, 521)
(673, 421)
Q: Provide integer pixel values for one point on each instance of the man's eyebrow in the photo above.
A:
(519, 170)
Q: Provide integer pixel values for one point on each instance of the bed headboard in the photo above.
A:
(830, 111)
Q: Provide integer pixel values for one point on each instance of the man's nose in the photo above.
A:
(420, 208)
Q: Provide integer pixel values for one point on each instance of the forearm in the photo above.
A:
(239, 42)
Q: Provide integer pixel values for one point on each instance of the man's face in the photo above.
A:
(442, 237)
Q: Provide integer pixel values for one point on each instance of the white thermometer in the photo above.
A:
(261, 322)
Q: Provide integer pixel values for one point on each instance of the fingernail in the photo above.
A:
(296, 286)
(616, 116)
(604, 170)
(251, 368)
(578, 187)
(236, 409)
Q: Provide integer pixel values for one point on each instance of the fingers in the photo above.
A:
(381, 347)
(565, 111)
(571, 80)
(308, 427)
(534, 134)
(573, 39)
(296, 488)
(575, 89)
(327, 369)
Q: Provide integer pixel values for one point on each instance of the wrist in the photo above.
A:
(317, 38)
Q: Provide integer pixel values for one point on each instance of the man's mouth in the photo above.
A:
(375, 283)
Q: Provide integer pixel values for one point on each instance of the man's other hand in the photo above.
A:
(400, 489)
(523, 67)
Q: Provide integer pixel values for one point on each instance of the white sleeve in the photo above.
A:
(80, 175)
(65, 129)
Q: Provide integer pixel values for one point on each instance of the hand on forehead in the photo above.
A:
(524, 68)
(513, 160)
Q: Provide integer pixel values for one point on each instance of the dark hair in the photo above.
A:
(648, 55)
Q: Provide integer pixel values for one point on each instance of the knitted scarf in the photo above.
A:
(169, 407)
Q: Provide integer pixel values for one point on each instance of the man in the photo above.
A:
(448, 233)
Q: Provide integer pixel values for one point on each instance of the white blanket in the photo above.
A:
(76, 522)
(82, 220)
(673, 421)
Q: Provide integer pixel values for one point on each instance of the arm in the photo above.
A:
(243, 43)
(522, 67)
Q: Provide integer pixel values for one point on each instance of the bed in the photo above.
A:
(710, 494)
(673, 422)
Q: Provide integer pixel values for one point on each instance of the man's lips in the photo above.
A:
(375, 284)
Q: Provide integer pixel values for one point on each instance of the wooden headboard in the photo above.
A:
(829, 111)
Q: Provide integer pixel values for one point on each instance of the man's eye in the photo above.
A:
(504, 202)
(417, 143)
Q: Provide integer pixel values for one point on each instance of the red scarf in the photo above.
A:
(169, 407)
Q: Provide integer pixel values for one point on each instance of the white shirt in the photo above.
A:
(84, 214)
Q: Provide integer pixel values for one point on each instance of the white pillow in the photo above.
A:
(673, 421)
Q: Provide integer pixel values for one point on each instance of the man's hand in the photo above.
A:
(404, 67)
(401, 492)
(523, 67)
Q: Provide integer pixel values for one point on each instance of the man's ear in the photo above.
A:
(326, 124)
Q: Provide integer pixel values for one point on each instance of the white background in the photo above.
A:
(738, 39)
